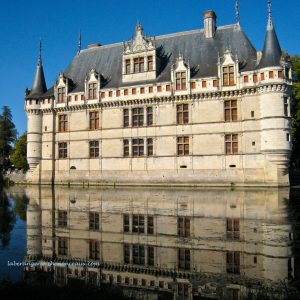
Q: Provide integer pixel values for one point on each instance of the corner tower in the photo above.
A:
(275, 94)
(34, 115)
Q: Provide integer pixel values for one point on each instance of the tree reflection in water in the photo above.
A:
(20, 206)
(7, 218)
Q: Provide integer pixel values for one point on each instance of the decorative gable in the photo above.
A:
(180, 75)
(228, 69)
(139, 58)
(139, 43)
(92, 85)
(61, 89)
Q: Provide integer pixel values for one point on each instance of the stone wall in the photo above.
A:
(15, 176)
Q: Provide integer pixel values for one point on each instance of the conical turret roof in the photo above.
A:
(271, 54)
(39, 86)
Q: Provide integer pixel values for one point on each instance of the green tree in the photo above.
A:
(8, 135)
(19, 153)
(295, 110)
(20, 206)
(7, 218)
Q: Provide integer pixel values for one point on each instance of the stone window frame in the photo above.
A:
(94, 221)
(149, 146)
(233, 259)
(184, 259)
(127, 66)
(181, 80)
(233, 228)
(126, 148)
(150, 63)
(286, 106)
(94, 149)
(138, 254)
(228, 75)
(62, 150)
(231, 144)
(92, 90)
(183, 145)
(149, 114)
(126, 223)
(138, 147)
(182, 113)
(62, 122)
(137, 117)
(184, 226)
(150, 256)
(62, 218)
(126, 117)
(94, 249)
(231, 110)
(139, 64)
(94, 118)
(138, 223)
(61, 92)
(144, 224)
(62, 246)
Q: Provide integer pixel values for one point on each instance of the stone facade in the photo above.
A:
(163, 116)
(208, 225)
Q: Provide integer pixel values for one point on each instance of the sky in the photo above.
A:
(22, 23)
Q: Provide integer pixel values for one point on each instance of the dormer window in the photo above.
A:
(180, 81)
(139, 58)
(92, 85)
(139, 65)
(92, 93)
(228, 75)
(150, 63)
(127, 66)
(228, 68)
(61, 94)
(180, 75)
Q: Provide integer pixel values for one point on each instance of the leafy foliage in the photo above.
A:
(19, 154)
(296, 110)
(7, 219)
(8, 135)
(20, 206)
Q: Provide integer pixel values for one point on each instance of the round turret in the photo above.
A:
(34, 229)
(34, 115)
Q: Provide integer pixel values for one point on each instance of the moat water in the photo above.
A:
(146, 243)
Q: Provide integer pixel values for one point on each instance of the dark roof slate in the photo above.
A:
(202, 53)
(271, 54)
(39, 86)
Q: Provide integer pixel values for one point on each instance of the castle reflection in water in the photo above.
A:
(182, 244)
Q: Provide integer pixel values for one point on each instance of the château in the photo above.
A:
(201, 107)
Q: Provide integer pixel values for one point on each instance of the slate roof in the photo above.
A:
(201, 52)
(271, 54)
(39, 86)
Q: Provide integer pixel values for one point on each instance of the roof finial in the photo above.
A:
(270, 23)
(40, 52)
(237, 11)
(138, 27)
(79, 42)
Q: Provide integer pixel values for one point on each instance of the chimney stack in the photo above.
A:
(210, 24)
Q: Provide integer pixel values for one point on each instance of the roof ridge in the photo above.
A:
(158, 37)
(190, 32)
